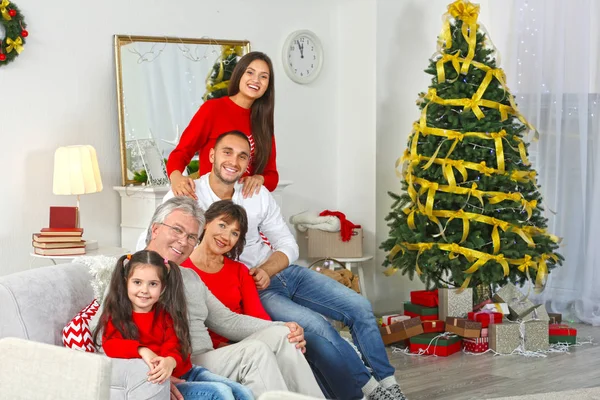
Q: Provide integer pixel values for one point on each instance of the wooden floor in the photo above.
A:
(462, 376)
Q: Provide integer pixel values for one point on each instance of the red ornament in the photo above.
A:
(12, 13)
(2, 57)
(24, 33)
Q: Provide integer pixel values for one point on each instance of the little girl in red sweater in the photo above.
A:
(145, 316)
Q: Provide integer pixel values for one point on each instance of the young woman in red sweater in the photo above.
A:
(249, 108)
(213, 260)
(145, 316)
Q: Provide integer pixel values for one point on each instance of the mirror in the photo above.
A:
(161, 83)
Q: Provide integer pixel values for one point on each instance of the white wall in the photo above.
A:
(406, 39)
(61, 91)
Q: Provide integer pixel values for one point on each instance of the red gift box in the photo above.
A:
(427, 298)
(476, 345)
(443, 351)
(561, 330)
(423, 317)
(486, 318)
(433, 326)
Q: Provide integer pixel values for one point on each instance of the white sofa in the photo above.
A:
(35, 305)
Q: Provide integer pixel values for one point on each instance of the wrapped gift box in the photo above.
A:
(476, 345)
(435, 344)
(563, 339)
(536, 335)
(454, 303)
(434, 326)
(486, 318)
(415, 310)
(518, 304)
(555, 318)
(427, 298)
(561, 330)
(390, 319)
(484, 332)
(423, 317)
(538, 313)
(496, 307)
(504, 338)
(463, 327)
(401, 330)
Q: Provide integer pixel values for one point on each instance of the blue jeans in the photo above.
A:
(203, 384)
(304, 296)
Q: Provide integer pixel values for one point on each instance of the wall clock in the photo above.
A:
(302, 56)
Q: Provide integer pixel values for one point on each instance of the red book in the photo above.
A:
(427, 298)
(37, 238)
(423, 317)
(443, 351)
(64, 217)
(486, 318)
(61, 231)
(59, 252)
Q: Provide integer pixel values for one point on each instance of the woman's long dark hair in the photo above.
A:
(230, 213)
(262, 111)
(117, 306)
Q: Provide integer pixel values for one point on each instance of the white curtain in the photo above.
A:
(552, 75)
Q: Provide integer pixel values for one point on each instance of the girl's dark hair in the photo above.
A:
(230, 213)
(117, 306)
(261, 112)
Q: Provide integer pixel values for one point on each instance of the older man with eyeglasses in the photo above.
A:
(268, 355)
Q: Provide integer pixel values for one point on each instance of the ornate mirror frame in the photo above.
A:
(123, 40)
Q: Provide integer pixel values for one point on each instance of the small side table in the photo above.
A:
(356, 261)
(100, 251)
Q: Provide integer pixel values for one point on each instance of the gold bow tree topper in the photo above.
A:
(11, 45)
(470, 213)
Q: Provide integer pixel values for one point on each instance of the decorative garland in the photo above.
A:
(14, 25)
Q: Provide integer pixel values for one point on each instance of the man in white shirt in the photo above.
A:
(294, 293)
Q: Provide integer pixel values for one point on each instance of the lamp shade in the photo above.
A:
(76, 171)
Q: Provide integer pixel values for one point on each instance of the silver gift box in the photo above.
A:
(454, 304)
(505, 337)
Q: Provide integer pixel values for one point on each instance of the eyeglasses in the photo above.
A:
(179, 233)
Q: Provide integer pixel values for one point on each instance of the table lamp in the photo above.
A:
(76, 172)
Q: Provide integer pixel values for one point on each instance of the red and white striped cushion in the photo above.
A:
(77, 334)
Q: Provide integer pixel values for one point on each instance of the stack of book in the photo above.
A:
(63, 237)
(59, 242)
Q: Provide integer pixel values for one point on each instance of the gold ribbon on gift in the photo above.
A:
(4, 11)
(16, 45)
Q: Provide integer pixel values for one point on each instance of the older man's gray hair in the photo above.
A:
(186, 204)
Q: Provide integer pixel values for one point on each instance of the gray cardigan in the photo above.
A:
(205, 312)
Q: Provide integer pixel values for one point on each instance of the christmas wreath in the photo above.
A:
(11, 45)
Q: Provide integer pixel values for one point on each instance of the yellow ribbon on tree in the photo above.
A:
(16, 45)
(4, 11)
(441, 71)
(498, 136)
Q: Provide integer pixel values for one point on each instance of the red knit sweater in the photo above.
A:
(235, 288)
(156, 332)
(214, 118)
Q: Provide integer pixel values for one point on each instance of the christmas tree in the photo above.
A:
(217, 80)
(471, 211)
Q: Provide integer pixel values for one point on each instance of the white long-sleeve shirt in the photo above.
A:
(263, 214)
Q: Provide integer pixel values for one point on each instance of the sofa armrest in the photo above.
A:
(32, 370)
(130, 382)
